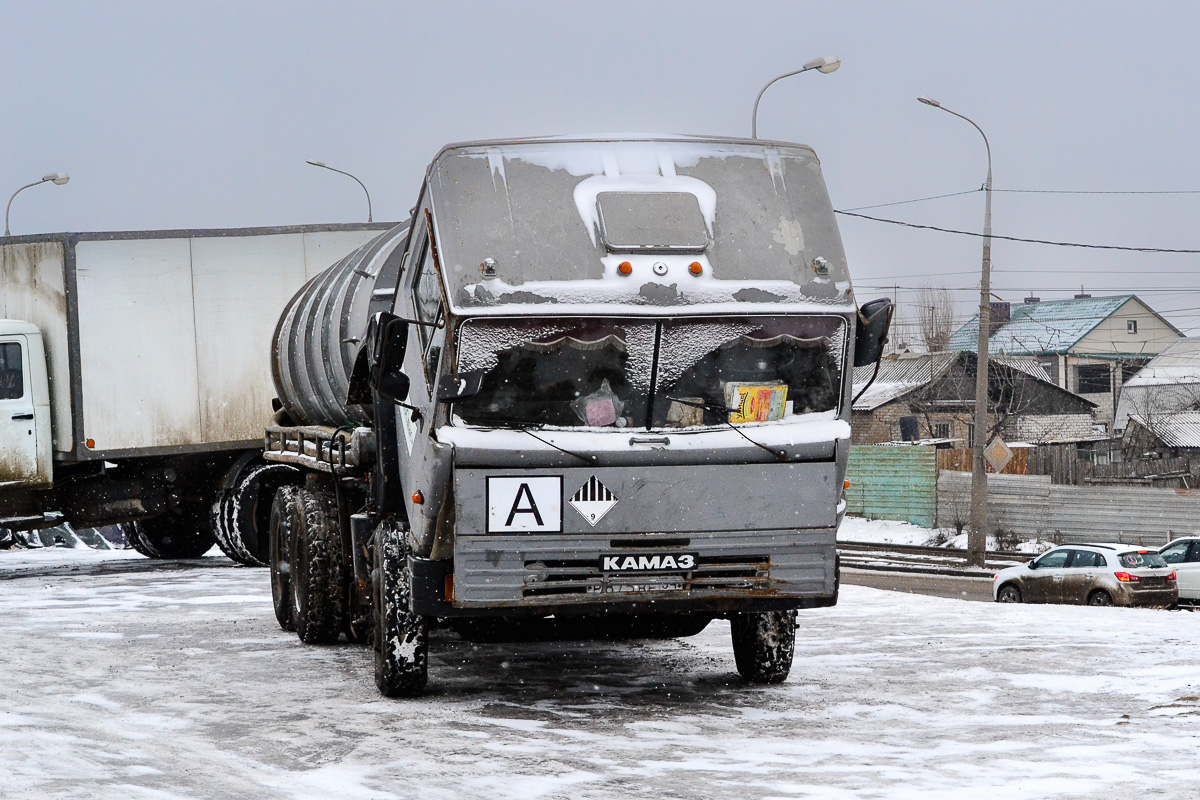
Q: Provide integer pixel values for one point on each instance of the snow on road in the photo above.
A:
(179, 684)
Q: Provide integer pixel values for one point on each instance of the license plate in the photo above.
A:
(620, 588)
(635, 563)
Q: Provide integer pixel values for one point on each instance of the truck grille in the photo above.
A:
(583, 576)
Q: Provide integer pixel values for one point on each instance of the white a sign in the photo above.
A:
(524, 504)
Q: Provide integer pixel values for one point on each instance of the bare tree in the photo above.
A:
(935, 317)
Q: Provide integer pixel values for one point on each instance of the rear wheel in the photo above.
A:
(242, 514)
(1100, 598)
(170, 536)
(401, 639)
(280, 528)
(1008, 594)
(764, 644)
(318, 572)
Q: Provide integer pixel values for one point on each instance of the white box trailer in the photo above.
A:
(131, 373)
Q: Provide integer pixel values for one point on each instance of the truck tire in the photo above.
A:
(169, 536)
(281, 569)
(242, 513)
(319, 580)
(763, 645)
(401, 639)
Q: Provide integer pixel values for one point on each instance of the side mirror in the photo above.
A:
(460, 385)
(1032, 563)
(379, 364)
(874, 319)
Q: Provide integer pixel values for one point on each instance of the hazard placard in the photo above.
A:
(524, 504)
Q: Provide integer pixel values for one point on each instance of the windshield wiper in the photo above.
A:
(524, 427)
(779, 454)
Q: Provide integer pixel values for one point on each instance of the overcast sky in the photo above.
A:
(171, 115)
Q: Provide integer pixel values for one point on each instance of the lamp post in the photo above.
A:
(977, 539)
(824, 64)
(323, 165)
(57, 178)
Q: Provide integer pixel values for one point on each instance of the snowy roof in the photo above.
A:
(1178, 363)
(1169, 383)
(906, 372)
(1048, 326)
(1181, 429)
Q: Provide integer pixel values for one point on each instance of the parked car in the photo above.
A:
(1096, 574)
(1183, 555)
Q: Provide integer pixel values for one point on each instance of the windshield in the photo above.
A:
(1141, 558)
(632, 373)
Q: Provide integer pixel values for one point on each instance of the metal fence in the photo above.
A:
(1032, 506)
(893, 483)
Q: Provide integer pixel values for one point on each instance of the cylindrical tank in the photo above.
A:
(319, 332)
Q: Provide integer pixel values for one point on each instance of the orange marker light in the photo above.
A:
(91, 443)
(417, 497)
(450, 587)
(845, 484)
(625, 268)
(696, 268)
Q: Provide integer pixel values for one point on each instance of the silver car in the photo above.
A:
(1095, 574)
(1183, 555)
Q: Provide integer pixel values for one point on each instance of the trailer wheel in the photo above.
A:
(241, 515)
(280, 530)
(319, 588)
(763, 645)
(169, 536)
(401, 639)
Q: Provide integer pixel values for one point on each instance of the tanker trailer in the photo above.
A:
(600, 384)
(132, 388)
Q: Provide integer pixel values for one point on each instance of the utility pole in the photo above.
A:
(977, 538)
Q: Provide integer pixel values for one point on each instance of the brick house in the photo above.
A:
(932, 396)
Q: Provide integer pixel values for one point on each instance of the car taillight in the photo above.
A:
(1171, 577)
(1125, 577)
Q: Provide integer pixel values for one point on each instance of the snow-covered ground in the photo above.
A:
(179, 684)
(886, 531)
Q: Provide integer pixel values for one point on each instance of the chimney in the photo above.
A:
(1082, 294)
(1032, 299)
(999, 316)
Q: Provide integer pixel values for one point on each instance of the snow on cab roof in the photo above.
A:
(637, 225)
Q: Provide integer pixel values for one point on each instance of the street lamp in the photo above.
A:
(824, 64)
(57, 178)
(323, 165)
(977, 539)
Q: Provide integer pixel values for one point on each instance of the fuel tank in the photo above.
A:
(319, 332)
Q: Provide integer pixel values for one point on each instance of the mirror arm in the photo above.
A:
(417, 415)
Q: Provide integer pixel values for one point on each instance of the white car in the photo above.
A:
(1184, 555)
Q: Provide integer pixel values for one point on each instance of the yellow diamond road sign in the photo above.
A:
(998, 454)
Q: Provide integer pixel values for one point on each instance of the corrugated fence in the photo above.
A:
(893, 483)
(1032, 506)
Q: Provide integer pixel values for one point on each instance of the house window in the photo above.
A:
(1131, 326)
(1093, 378)
(970, 434)
(941, 430)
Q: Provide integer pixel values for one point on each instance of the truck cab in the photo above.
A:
(24, 407)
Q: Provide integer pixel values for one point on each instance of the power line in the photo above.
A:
(915, 200)
(1019, 239)
(1031, 191)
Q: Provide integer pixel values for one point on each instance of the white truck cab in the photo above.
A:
(24, 406)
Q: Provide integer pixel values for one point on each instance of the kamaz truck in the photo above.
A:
(600, 382)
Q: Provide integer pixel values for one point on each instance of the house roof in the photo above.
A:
(1181, 429)
(1169, 383)
(1179, 362)
(1049, 326)
(907, 372)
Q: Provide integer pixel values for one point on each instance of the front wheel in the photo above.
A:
(1008, 594)
(764, 644)
(401, 638)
